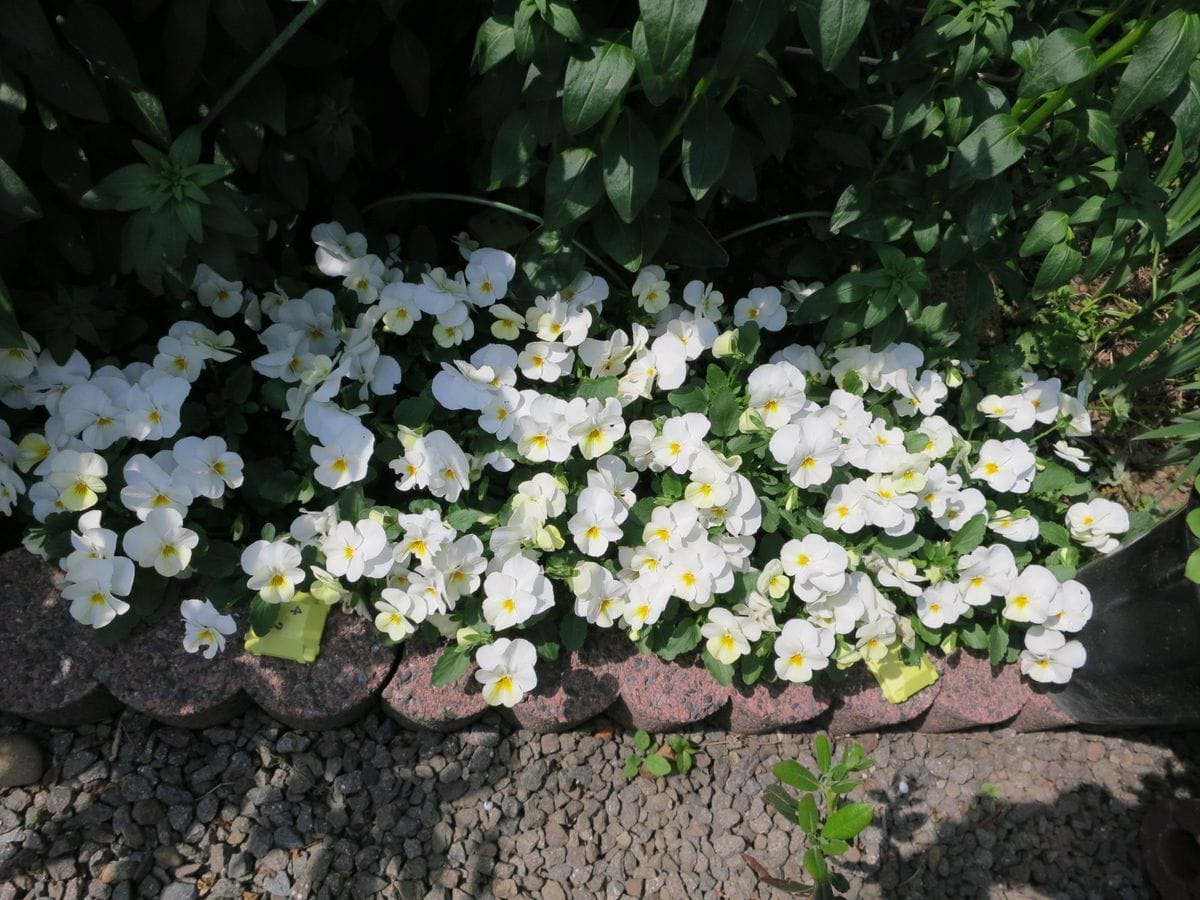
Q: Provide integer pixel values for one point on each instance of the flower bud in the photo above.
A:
(725, 344)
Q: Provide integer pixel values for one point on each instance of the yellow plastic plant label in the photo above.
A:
(296, 634)
(899, 681)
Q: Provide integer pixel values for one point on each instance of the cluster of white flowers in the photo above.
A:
(666, 505)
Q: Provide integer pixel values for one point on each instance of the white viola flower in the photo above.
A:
(439, 292)
(33, 452)
(463, 386)
(540, 361)
(222, 296)
(18, 363)
(161, 542)
(1031, 595)
(801, 649)
(606, 357)
(922, 396)
(452, 333)
(206, 466)
(542, 433)
(51, 381)
(896, 367)
(12, 486)
(600, 597)
(1094, 523)
(78, 477)
(424, 536)
(910, 476)
(761, 305)
(841, 611)
(1072, 607)
(506, 671)
(595, 426)
(688, 571)
(1007, 466)
(777, 393)
(669, 358)
(809, 449)
(874, 639)
(680, 441)
(674, 526)
(1072, 455)
(358, 550)
(181, 359)
(364, 276)
(586, 290)
(846, 510)
(638, 381)
(649, 594)
(398, 303)
(640, 451)
(515, 593)
(986, 572)
(878, 448)
(274, 570)
(204, 627)
(816, 566)
(1016, 411)
(310, 527)
(940, 436)
(149, 486)
(449, 470)
(90, 541)
(499, 414)
(554, 319)
(886, 507)
(399, 613)
(488, 273)
(45, 499)
(462, 564)
(1049, 657)
(741, 514)
(1044, 396)
(695, 332)
(90, 413)
(1018, 526)
(1079, 423)
(806, 359)
(594, 526)
(195, 337)
(345, 459)
(940, 604)
(429, 586)
(336, 249)
(961, 508)
(540, 498)
(940, 488)
(94, 586)
(501, 360)
(901, 574)
(651, 289)
(611, 475)
(153, 406)
(704, 300)
(727, 641)
(508, 324)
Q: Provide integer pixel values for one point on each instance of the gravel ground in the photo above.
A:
(130, 808)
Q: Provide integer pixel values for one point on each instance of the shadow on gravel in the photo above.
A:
(252, 808)
(1080, 842)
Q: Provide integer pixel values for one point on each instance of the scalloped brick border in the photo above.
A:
(60, 676)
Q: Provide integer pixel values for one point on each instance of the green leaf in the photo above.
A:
(16, 200)
(814, 864)
(724, 413)
(749, 25)
(573, 185)
(707, 137)
(96, 35)
(987, 151)
(683, 638)
(630, 157)
(969, 536)
(1160, 62)
(1191, 569)
(572, 630)
(1061, 264)
(451, 666)
(721, 672)
(593, 83)
(1193, 521)
(633, 765)
(413, 411)
(823, 752)
(494, 43)
(130, 187)
(670, 26)
(777, 795)
(997, 643)
(975, 637)
(792, 773)
(657, 765)
(838, 23)
(597, 388)
(832, 847)
(10, 330)
(263, 616)
(641, 740)
(1064, 57)
(808, 815)
(848, 821)
(1051, 228)
(62, 81)
(1184, 110)
(562, 19)
(659, 87)
(1054, 534)
(689, 399)
(748, 339)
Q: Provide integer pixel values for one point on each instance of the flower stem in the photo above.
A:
(777, 220)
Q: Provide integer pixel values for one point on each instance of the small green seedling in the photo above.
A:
(657, 760)
(828, 823)
(1193, 522)
(988, 789)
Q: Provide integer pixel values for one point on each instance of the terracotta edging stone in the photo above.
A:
(973, 694)
(860, 705)
(50, 662)
(777, 706)
(574, 688)
(1039, 712)
(411, 699)
(660, 696)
